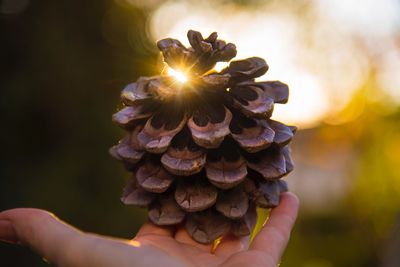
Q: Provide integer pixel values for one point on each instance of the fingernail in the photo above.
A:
(13, 242)
(7, 232)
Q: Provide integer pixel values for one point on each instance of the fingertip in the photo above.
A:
(290, 199)
(183, 237)
(286, 211)
(38, 229)
(275, 234)
(22, 224)
(25, 213)
(150, 228)
(231, 244)
(7, 232)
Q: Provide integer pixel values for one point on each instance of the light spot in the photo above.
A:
(178, 75)
(220, 66)
(134, 243)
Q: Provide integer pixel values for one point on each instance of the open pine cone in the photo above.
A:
(204, 152)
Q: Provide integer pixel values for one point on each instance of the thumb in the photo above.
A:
(38, 229)
(274, 236)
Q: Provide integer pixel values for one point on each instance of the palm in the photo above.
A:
(184, 250)
(153, 246)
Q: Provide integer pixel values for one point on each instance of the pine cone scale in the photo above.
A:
(153, 178)
(195, 196)
(210, 135)
(204, 153)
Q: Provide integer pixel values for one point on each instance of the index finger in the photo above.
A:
(38, 229)
(274, 236)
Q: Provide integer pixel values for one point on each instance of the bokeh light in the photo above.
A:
(291, 41)
(65, 62)
(178, 75)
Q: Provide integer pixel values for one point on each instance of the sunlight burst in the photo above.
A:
(178, 75)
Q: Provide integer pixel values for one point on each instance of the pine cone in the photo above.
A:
(205, 152)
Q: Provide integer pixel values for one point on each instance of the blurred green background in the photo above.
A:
(63, 64)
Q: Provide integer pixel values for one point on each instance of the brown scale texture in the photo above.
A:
(204, 153)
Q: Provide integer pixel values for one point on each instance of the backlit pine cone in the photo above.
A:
(204, 152)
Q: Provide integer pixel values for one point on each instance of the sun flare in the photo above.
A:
(178, 75)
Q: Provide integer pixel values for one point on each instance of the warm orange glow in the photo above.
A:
(220, 66)
(134, 243)
(180, 76)
(314, 52)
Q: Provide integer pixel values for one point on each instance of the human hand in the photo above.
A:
(66, 246)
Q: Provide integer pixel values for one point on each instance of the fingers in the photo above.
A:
(182, 236)
(152, 229)
(230, 245)
(40, 230)
(63, 245)
(7, 232)
(274, 236)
